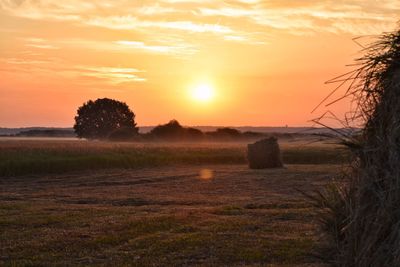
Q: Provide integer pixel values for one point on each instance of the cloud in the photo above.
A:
(173, 47)
(194, 15)
(297, 17)
(44, 9)
(129, 23)
(20, 61)
(42, 46)
(113, 75)
(38, 43)
(156, 9)
(59, 68)
(161, 49)
(181, 28)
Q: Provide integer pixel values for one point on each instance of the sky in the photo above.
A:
(258, 63)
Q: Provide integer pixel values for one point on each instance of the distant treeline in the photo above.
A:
(172, 131)
(175, 132)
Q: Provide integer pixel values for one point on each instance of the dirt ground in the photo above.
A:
(215, 215)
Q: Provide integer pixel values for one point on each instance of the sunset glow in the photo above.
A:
(203, 93)
(268, 60)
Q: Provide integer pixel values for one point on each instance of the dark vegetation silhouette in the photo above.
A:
(112, 120)
(361, 214)
(194, 134)
(104, 119)
(124, 134)
(225, 133)
(174, 131)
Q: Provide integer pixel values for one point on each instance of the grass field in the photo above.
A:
(24, 156)
(159, 209)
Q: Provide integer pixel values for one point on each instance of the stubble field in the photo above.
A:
(165, 205)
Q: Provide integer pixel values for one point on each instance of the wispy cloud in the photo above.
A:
(312, 17)
(302, 16)
(181, 28)
(113, 75)
(174, 47)
(156, 9)
(41, 10)
(129, 23)
(162, 49)
(42, 46)
(38, 43)
(21, 61)
(58, 68)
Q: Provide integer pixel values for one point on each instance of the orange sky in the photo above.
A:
(266, 60)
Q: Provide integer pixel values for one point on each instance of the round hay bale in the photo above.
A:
(264, 154)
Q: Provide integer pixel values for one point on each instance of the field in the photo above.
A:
(90, 203)
(27, 156)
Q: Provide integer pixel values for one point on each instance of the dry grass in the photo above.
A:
(160, 209)
(27, 156)
(161, 216)
(363, 217)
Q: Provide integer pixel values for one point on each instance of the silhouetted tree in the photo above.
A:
(98, 119)
(171, 130)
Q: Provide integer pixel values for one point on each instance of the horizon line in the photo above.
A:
(213, 126)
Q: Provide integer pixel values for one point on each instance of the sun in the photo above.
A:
(203, 92)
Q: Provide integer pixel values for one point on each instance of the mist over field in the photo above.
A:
(146, 129)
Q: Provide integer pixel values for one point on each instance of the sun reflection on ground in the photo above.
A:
(206, 174)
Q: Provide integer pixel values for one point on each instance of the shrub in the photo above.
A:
(169, 131)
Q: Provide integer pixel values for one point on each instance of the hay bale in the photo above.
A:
(362, 212)
(264, 154)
